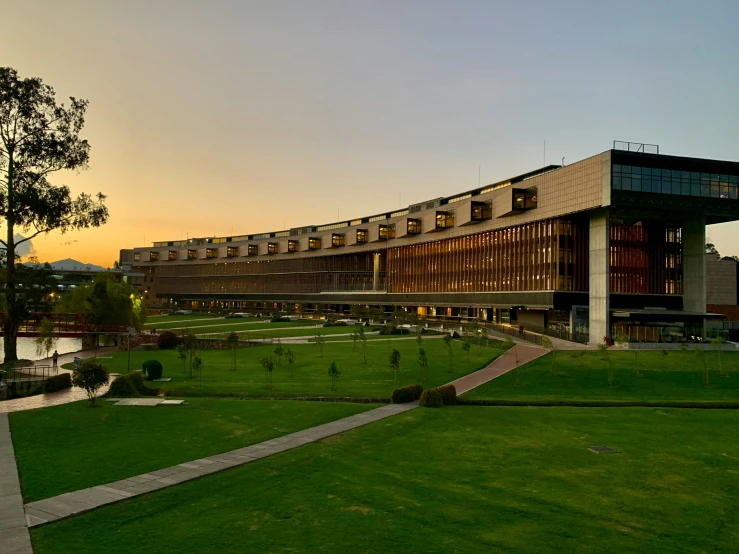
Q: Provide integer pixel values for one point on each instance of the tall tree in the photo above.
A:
(38, 137)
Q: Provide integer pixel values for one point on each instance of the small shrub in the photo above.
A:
(58, 382)
(132, 384)
(340, 324)
(448, 394)
(399, 331)
(90, 377)
(406, 394)
(328, 323)
(153, 369)
(279, 319)
(168, 340)
(431, 398)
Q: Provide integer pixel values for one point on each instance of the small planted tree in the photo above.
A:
(232, 340)
(46, 339)
(719, 342)
(181, 354)
(290, 358)
(279, 351)
(704, 364)
(268, 366)
(546, 342)
(448, 342)
(466, 347)
(363, 339)
(355, 338)
(90, 377)
(334, 373)
(637, 366)
(516, 372)
(191, 344)
(605, 355)
(319, 343)
(395, 363)
(423, 361)
(419, 338)
(197, 367)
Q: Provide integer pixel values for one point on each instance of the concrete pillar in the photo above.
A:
(694, 265)
(376, 271)
(600, 304)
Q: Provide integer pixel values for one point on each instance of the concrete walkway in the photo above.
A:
(14, 537)
(518, 355)
(69, 504)
(55, 398)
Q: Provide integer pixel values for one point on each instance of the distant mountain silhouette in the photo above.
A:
(69, 264)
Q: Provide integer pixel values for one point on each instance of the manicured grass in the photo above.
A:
(302, 329)
(158, 320)
(583, 375)
(372, 380)
(459, 479)
(221, 324)
(69, 447)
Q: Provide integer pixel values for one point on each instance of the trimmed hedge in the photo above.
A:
(58, 382)
(406, 394)
(432, 398)
(168, 340)
(448, 394)
(130, 385)
(153, 369)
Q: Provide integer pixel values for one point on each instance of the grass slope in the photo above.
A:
(458, 479)
(583, 375)
(375, 379)
(65, 448)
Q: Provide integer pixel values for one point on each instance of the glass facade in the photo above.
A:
(232, 251)
(338, 240)
(252, 250)
(192, 254)
(414, 226)
(362, 236)
(211, 253)
(671, 181)
(314, 244)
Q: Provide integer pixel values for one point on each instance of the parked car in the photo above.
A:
(181, 312)
(239, 314)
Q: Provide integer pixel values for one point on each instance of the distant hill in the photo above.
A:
(71, 265)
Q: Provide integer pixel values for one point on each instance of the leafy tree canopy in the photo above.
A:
(105, 301)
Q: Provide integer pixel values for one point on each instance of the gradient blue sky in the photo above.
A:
(213, 118)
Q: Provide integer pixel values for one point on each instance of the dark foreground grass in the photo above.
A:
(583, 375)
(459, 479)
(69, 447)
(375, 379)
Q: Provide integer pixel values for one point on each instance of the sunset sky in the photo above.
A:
(218, 118)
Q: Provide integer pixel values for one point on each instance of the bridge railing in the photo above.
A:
(25, 371)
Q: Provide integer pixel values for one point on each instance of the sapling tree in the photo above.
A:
(90, 377)
(279, 351)
(423, 361)
(605, 355)
(546, 342)
(191, 344)
(181, 354)
(448, 342)
(38, 138)
(232, 340)
(637, 366)
(516, 372)
(363, 339)
(395, 363)
(466, 348)
(197, 366)
(355, 338)
(704, 364)
(719, 342)
(290, 358)
(268, 366)
(46, 337)
(334, 373)
(319, 343)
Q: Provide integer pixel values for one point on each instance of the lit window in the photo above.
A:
(252, 250)
(314, 244)
(362, 236)
(172, 255)
(211, 253)
(137, 256)
(414, 226)
(153, 256)
(444, 220)
(192, 254)
(338, 240)
(293, 246)
(232, 251)
(272, 248)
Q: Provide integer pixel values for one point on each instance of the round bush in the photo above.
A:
(431, 399)
(153, 369)
(406, 394)
(448, 395)
(168, 340)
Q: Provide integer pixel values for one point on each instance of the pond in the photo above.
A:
(27, 348)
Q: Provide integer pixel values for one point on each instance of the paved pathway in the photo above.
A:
(503, 364)
(65, 505)
(55, 398)
(14, 536)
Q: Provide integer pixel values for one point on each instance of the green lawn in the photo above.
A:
(159, 320)
(65, 448)
(375, 379)
(221, 324)
(583, 375)
(459, 479)
(293, 329)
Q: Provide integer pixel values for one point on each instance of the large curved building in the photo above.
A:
(617, 238)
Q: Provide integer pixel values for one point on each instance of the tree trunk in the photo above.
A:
(10, 328)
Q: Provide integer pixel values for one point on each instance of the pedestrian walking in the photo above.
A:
(55, 358)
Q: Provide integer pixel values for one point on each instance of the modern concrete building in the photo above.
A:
(611, 244)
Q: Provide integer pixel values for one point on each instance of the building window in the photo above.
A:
(362, 236)
(384, 233)
(314, 244)
(211, 253)
(137, 256)
(172, 255)
(232, 251)
(444, 220)
(153, 256)
(338, 240)
(192, 254)
(252, 250)
(480, 211)
(524, 199)
(272, 248)
(293, 246)
(414, 226)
